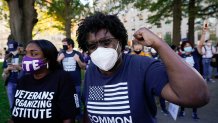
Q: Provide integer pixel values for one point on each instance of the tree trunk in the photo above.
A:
(22, 19)
(15, 20)
(191, 20)
(177, 17)
(29, 19)
(67, 18)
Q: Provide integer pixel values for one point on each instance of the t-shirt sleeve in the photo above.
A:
(66, 102)
(156, 78)
(81, 57)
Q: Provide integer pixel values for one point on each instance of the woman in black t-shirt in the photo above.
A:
(46, 93)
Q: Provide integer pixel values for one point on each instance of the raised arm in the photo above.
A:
(202, 40)
(186, 87)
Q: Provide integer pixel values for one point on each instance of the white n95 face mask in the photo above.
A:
(104, 58)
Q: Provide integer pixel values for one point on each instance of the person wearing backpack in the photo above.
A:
(207, 51)
(190, 55)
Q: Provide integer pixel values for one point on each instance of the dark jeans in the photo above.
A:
(194, 110)
(207, 68)
(11, 90)
(162, 103)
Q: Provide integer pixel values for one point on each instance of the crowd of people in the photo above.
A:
(120, 83)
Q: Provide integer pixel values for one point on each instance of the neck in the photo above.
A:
(41, 74)
(69, 49)
(114, 69)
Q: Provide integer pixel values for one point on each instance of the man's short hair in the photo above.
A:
(69, 41)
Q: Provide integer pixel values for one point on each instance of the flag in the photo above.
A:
(109, 99)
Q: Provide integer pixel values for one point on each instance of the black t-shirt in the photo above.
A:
(47, 100)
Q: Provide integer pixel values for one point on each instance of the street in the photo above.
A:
(207, 114)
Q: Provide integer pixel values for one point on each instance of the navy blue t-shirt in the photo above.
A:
(128, 95)
(70, 65)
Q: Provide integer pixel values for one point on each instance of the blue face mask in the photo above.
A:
(188, 49)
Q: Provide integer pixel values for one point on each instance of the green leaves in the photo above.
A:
(57, 10)
(4, 10)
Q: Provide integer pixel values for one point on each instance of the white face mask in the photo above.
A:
(209, 43)
(104, 58)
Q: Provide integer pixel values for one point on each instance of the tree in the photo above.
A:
(46, 24)
(199, 9)
(66, 12)
(168, 39)
(177, 18)
(23, 17)
(3, 10)
(191, 19)
(162, 9)
(192, 9)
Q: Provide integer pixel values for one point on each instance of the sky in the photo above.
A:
(87, 1)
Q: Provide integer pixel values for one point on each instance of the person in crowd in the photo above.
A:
(46, 93)
(127, 50)
(86, 58)
(207, 50)
(139, 50)
(122, 87)
(11, 69)
(154, 53)
(72, 62)
(190, 56)
(21, 49)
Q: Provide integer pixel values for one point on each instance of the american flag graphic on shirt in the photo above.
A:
(109, 99)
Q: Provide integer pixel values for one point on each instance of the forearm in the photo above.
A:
(6, 71)
(185, 82)
(201, 43)
(59, 59)
(82, 65)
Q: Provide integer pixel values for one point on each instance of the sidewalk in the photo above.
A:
(207, 114)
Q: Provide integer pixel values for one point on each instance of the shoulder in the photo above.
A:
(138, 58)
(138, 62)
(63, 53)
(77, 52)
(143, 53)
(62, 76)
